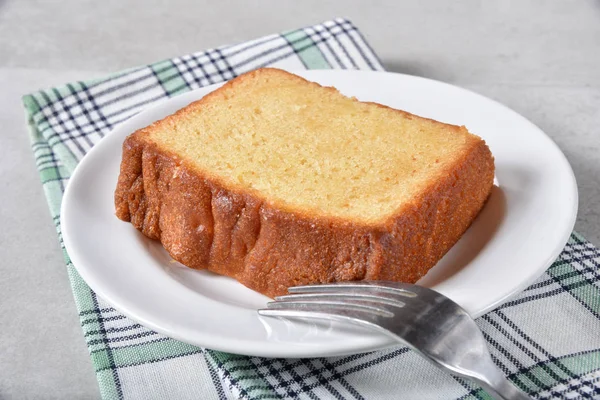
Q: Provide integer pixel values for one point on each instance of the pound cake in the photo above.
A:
(277, 181)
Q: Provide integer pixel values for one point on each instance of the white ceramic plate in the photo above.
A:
(520, 231)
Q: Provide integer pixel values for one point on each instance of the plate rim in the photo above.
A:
(265, 350)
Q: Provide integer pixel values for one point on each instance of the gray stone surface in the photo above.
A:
(538, 57)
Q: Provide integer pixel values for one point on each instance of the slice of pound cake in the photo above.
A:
(277, 181)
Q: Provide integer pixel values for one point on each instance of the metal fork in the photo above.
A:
(428, 322)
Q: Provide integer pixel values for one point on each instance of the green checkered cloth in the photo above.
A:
(546, 340)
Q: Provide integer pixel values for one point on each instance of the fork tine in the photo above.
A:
(327, 305)
(379, 288)
(342, 312)
(288, 313)
(346, 297)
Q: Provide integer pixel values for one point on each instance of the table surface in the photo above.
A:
(539, 58)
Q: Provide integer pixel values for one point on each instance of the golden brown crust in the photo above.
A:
(203, 224)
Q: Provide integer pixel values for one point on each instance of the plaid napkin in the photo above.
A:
(547, 339)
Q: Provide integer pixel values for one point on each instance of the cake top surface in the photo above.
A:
(308, 148)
